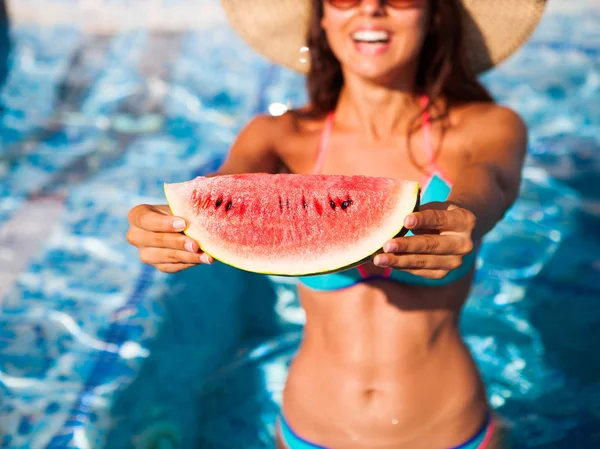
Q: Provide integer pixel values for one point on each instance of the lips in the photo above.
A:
(371, 41)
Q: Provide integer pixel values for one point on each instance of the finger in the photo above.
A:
(429, 274)
(456, 219)
(156, 219)
(418, 262)
(170, 240)
(430, 244)
(157, 256)
(173, 268)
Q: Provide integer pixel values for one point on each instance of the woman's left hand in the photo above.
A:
(442, 238)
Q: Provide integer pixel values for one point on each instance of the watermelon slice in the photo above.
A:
(292, 225)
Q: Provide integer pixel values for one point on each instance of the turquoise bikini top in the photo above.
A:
(437, 189)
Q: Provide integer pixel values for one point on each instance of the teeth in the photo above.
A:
(371, 36)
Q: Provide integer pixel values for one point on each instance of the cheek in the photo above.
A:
(333, 24)
(413, 30)
(336, 43)
(416, 21)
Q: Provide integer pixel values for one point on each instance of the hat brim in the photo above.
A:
(493, 29)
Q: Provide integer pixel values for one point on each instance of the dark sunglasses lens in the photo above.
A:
(399, 4)
(343, 4)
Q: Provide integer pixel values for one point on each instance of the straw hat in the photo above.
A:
(494, 29)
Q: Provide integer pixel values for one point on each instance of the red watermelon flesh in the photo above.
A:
(289, 224)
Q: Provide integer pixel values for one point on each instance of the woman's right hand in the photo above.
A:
(158, 236)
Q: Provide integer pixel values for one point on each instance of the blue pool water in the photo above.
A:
(98, 350)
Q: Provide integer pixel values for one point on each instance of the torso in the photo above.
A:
(382, 363)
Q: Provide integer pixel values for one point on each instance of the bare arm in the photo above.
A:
(487, 184)
(490, 171)
(254, 149)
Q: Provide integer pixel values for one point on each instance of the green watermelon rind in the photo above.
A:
(400, 232)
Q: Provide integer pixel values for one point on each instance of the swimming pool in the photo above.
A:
(98, 350)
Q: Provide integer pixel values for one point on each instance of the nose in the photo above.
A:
(372, 7)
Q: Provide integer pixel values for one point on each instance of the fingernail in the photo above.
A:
(205, 258)
(390, 247)
(410, 221)
(190, 247)
(381, 261)
(179, 224)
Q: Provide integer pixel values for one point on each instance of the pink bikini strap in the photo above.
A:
(488, 435)
(363, 272)
(433, 167)
(324, 143)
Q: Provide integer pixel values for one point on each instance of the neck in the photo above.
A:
(378, 109)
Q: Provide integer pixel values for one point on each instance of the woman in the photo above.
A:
(392, 93)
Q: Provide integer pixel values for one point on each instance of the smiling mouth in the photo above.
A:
(371, 37)
(372, 42)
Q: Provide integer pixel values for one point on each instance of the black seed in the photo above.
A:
(228, 206)
(332, 204)
(280, 204)
(345, 205)
(218, 202)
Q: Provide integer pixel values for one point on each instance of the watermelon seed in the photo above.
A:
(304, 204)
(228, 206)
(346, 203)
(280, 204)
(218, 202)
(332, 204)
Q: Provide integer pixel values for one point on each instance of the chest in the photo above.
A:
(350, 153)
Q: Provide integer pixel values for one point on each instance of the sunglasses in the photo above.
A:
(396, 4)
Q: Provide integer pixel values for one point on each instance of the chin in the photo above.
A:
(388, 67)
(377, 54)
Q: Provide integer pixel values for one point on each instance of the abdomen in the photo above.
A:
(371, 373)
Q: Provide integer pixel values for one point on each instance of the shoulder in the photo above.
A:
(292, 122)
(261, 127)
(262, 134)
(255, 148)
(487, 126)
(489, 121)
(302, 121)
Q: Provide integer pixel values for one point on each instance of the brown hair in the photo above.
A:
(443, 70)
